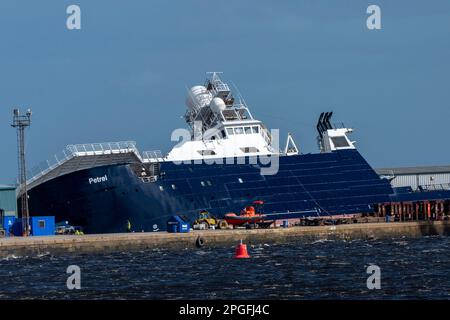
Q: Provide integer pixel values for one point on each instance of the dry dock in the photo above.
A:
(32, 246)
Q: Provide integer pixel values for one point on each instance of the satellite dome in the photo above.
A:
(217, 105)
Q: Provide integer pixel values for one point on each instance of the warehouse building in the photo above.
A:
(8, 200)
(426, 178)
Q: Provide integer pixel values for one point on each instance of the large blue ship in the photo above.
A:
(225, 160)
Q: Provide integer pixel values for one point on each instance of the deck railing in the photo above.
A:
(152, 156)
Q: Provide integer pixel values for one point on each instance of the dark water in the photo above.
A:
(410, 268)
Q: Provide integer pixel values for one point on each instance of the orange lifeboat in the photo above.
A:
(248, 215)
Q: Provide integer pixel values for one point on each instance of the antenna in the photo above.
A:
(20, 122)
(214, 72)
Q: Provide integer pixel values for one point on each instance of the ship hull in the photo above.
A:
(102, 199)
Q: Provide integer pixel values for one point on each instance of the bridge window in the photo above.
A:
(238, 130)
(339, 142)
(255, 129)
(230, 131)
(248, 130)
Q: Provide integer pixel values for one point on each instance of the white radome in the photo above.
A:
(217, 105)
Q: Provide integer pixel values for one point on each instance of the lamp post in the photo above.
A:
(20, 122)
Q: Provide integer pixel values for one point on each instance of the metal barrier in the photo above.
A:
(103, 148)
(434, 187)
(152, 156)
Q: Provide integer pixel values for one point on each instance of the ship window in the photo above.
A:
(249, 149)
(230, 131)
(238, 130)
(174, 187)
(161, 188)
(248, 130)
(255, 129)
(240, 180)
(207, 152)
(339, 142)
(223, 133)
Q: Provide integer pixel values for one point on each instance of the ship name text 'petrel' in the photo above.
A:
(98, 179)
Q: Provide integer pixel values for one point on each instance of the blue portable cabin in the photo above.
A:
(177, 224)
(40, 226)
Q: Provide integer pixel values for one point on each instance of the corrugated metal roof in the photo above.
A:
(413, 170)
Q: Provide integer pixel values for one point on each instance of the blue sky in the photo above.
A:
(123, 76)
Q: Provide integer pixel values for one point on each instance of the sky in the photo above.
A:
(123, 75)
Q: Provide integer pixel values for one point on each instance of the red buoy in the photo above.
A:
(241, 251)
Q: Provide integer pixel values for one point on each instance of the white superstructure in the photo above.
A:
(331, 138)
(221, 126)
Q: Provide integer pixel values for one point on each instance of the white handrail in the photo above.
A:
(152, 155)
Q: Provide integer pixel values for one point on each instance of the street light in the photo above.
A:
(20, 122)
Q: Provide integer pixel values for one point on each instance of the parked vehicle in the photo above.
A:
(64, 227)
(205, 221)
